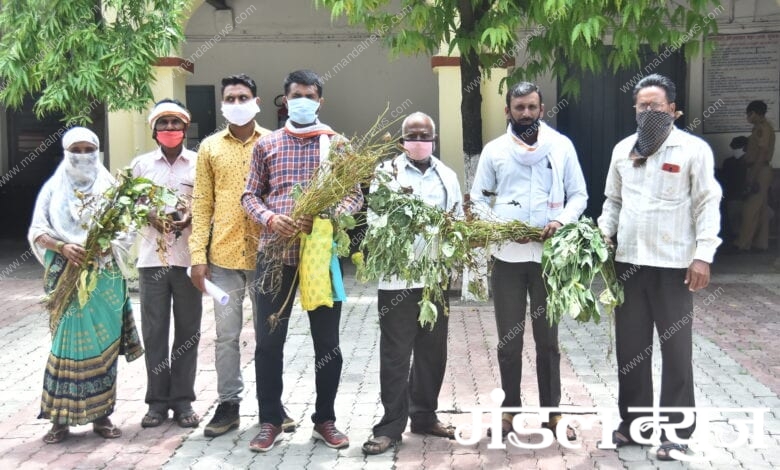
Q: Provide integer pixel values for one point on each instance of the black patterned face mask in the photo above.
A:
(653, 127)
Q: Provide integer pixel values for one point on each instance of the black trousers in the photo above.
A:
(511, 283)
(654, 297)
(170, 371)
(408, 394)
(269, 351)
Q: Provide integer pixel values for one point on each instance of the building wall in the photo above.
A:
(738, 17)
(269, 39)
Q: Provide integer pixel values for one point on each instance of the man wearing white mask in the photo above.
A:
(413, 394)
(224, 240)
(286, 158)
(533, 173)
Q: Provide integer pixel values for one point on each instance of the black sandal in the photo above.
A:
(376, 445)
(506, 425)
(664, 452)
(571, 434)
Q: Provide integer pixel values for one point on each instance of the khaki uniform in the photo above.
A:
(755, 212)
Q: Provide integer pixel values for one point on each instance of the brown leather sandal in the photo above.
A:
(376, 445)
(506, 425)
(104, 428)
(187, 419)
(152, 419)
(571, 434)
(57, 434)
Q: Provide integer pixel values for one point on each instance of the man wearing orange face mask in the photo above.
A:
(412, 395)
(163, 280)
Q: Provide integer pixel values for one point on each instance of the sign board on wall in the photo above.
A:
(742, 68)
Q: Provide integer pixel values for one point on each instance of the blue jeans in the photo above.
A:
(229, 320)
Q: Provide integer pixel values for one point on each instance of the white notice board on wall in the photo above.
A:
(741, 68)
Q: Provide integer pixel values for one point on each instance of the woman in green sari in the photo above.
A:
(79, 385)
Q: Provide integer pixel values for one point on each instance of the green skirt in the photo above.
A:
(79, 384)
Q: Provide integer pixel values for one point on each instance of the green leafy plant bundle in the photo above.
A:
(412, 241)
(572, 260)
(126, 204)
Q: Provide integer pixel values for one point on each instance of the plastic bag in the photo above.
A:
(314, 268)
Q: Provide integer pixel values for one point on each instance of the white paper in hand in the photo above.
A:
(213, 290)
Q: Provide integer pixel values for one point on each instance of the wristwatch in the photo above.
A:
(60, 244)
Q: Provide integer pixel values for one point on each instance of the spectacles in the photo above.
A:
(649, 107)
(173, 123)
(418, 138)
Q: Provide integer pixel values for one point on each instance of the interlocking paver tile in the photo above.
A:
(736, 359)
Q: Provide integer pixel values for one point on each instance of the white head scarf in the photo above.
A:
(59, 212)
(168, 109)
(79, 134)
(81, 169)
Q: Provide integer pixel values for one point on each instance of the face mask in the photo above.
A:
(81, 159)
(170, 139)
(240, 114)
(523, 130)
(418, 150)
(81, 168)
(652, 129)
(302, 110)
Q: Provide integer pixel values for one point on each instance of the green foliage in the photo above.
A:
(556, 34)
(572, 259)
(411, 240)
(82, 53)
(418, 243)
(122, 208)
(414, 242)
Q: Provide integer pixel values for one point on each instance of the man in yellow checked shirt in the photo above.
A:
(224, 240)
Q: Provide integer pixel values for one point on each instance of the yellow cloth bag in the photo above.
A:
(314, 268)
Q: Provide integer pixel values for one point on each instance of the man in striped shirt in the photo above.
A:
(663, 205)
(282, 160)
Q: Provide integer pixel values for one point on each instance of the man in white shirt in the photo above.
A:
(667, 234)
(170, 370)
(413, 395)
(533, 173)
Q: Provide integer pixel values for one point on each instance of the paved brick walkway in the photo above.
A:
(735, 357)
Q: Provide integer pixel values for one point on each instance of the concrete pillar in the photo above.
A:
(129, 134)
(450, 94)
(447, 69)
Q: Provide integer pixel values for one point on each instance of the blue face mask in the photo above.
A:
(302, 110)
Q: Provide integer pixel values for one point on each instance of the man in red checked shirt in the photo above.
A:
(281, 160)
